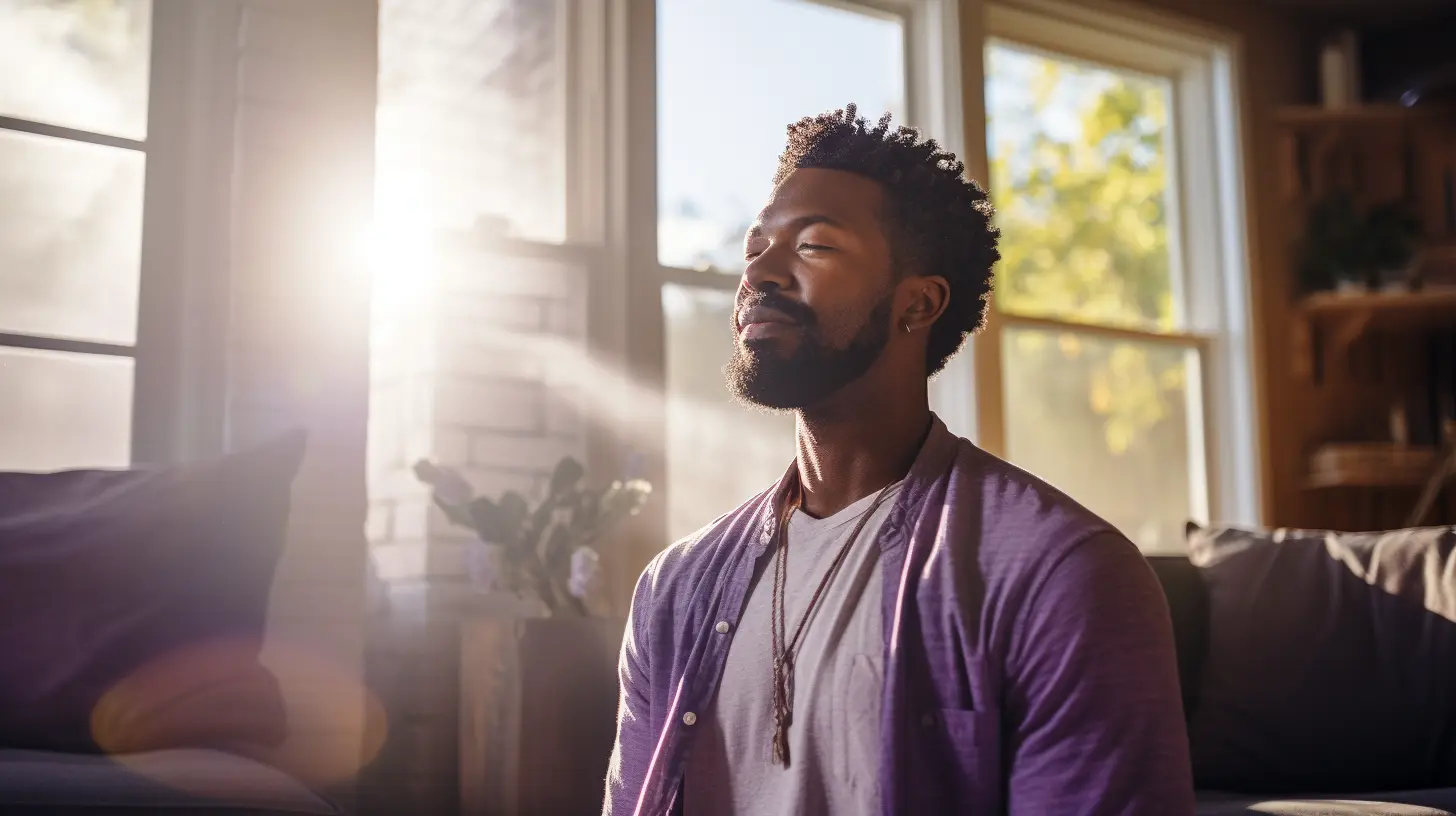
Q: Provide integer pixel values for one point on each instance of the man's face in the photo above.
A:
(814, 307)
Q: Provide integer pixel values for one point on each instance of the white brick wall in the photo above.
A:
(483, 394)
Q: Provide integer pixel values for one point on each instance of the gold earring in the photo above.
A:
(907, 327)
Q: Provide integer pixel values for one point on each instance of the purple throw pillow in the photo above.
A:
(105, 575)
(1332, 661)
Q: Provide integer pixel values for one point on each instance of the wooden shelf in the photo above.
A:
(1370, 465)
(1415, 309)
(1358, 114)
(1344, 319)
(1362, 481)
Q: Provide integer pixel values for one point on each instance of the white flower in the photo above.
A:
(584, 567)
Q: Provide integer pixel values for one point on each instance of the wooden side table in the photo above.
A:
(538, 710)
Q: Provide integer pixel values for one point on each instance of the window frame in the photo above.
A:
(144, 146)
(1208, 241)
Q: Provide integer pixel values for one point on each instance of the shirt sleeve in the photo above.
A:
(632, 752)
(1092, 702)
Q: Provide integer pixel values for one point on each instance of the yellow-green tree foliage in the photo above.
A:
(1085, 238)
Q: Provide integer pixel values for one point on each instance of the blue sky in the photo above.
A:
(732, 75)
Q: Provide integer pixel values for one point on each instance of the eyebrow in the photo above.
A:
(799, 223)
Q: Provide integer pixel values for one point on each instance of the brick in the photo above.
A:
(500, 404)
(564, 414)
(447, 560)
(505, 312)
(536, 453)
(379, 524)
(518, 276)
(450, 447)
(483, 352)
(400, 560)
(412, 517)
(396, 484)
(567, 317)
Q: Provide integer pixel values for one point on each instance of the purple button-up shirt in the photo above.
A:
(1029, 663)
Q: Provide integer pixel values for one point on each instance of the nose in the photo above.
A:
(770, 268)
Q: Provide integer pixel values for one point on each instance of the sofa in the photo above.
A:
(133, 609)
(1318, 669)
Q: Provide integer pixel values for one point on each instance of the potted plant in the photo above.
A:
(538, 694)
(547, 552)
(1391, 234)
(1345, 251)
(1330, 256)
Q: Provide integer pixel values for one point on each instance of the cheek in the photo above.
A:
(842, 307)
(838, 324)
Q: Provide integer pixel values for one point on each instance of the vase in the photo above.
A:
(484, 565)
(538, 708)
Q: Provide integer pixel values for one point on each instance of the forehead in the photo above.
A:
(845, 199)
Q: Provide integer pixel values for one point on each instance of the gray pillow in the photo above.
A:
(1331, 663)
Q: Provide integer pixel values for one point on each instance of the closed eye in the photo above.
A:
(816, 247)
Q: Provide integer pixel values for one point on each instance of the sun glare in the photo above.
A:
(398, 250)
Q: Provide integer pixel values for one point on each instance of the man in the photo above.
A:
(904, 624)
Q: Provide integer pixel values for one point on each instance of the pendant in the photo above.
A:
(783, 710)
(781, 744)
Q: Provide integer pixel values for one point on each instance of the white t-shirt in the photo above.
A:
(838, 676)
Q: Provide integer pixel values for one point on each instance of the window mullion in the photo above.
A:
(1186, 339)
(70, 134)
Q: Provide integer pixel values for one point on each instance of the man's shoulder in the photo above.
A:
(705, 553)
(1010, 497)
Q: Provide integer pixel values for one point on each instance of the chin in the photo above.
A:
(761, 347)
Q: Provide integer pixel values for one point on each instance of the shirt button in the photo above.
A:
(722, 627)
(927, 720)
(689, 718)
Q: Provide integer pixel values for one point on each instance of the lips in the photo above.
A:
(763, 316)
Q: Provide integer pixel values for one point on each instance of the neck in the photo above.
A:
(856, 445)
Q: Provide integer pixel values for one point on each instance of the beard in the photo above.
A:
(762, 377)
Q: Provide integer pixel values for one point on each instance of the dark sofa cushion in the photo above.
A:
(1436, 802)
(1188, 605)
(1332, 660)
(133, 603)
(182, 781)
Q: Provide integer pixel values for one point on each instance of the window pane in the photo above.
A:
(77, 64)
(781, 60)
(719, 453)
(1109, 423)
(471, 120)
(1079, 176)
(70, 238)
(64, 410)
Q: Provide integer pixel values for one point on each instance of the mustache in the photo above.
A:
(771, 299)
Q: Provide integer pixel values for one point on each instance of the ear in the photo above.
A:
(924, 299)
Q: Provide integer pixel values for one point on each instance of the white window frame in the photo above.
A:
(179, 404)
(1208, 241)
(179, 351)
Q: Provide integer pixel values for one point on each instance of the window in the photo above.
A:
(74, 81)
(1116, 363)
(472, 116)
(730, 78)
(1117, 360)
